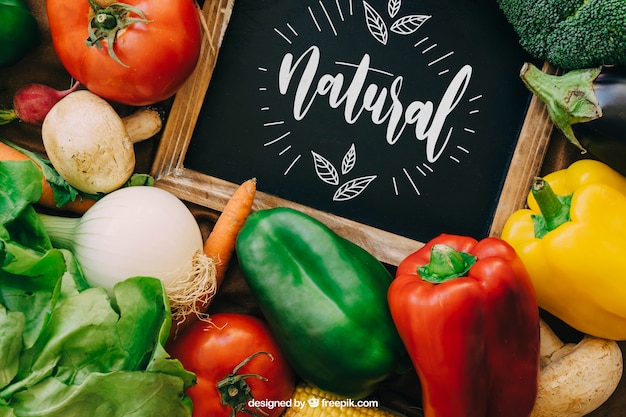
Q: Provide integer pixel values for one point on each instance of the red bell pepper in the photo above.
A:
(468, 316)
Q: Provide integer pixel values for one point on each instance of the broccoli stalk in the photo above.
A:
(570, 34)
(570, 98)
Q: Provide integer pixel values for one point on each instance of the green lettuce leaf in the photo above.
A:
(62, 190)
(129, 394)
(11, 328)
(20, 186)
(87, 336)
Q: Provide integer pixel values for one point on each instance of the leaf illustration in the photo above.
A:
(353, 188)
(325, 170)
(393, 7)
(349, 160)
(408, 24)
(375, 24)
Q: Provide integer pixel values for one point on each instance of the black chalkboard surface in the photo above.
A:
(399, 114)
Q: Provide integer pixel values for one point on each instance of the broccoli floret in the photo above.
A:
(570, 34)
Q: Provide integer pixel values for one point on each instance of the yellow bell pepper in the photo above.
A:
(572, 240)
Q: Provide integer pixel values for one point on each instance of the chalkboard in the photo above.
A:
(402, 116)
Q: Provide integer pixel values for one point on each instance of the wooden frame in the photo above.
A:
(211, 192)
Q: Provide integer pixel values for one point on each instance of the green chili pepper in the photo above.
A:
(325, 299)
(19, 31)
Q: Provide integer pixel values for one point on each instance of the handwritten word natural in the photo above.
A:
(383, 104)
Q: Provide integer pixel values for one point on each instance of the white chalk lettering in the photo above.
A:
(383, 104)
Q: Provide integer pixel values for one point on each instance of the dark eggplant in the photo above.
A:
(588, 106)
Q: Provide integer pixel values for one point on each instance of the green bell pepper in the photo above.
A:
(19, 31)
(325, 300)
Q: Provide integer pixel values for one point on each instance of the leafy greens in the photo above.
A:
(67, 349)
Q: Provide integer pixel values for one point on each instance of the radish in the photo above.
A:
(32, 102)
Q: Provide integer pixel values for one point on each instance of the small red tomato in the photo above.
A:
(135, 52)
(237, 362)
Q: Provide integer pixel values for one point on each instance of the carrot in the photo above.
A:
(78, 206)
(220, 244)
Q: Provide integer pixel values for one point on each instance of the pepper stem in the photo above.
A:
(235, 391)
(555, 210)
(569, 98)
(109, 21)
(445, 263)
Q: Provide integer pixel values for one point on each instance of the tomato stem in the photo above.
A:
(235, 391)
(109, 21)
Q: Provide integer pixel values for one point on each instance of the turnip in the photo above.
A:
(90, 145)
(32, 102)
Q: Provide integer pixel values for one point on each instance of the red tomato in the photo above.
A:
(155, 58)
(214, 351)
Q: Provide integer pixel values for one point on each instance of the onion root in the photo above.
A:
(200, 284)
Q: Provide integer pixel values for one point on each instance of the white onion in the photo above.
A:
(139, 231)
